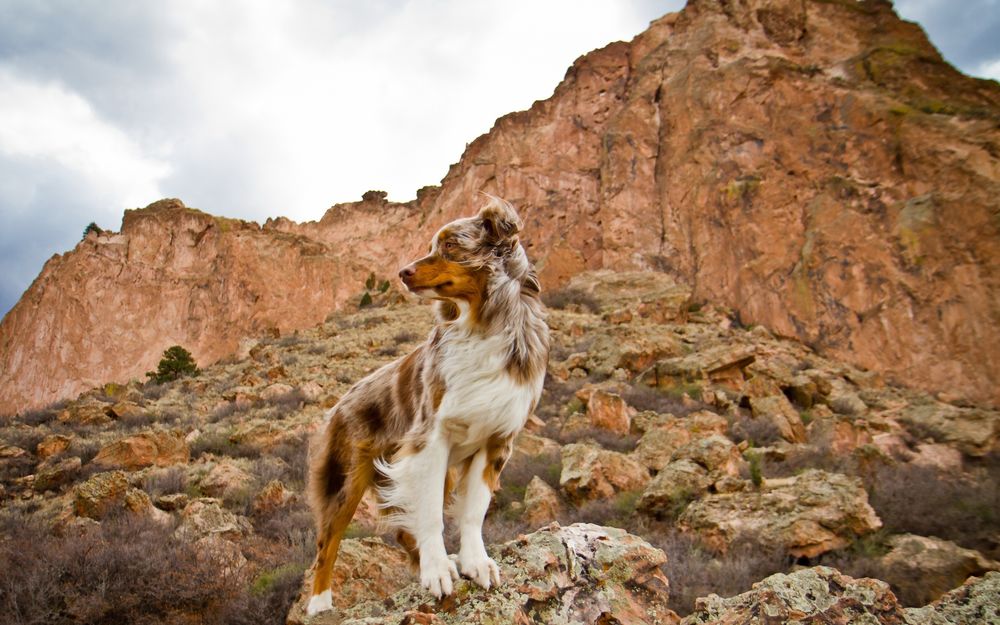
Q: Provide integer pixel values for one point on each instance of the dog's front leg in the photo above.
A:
(470, 509)
(429, 469)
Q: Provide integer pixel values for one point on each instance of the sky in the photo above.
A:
(258, 108)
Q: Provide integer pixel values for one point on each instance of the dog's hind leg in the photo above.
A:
(346, 487)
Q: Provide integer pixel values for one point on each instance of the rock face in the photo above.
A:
(582, 573)
(816, 165)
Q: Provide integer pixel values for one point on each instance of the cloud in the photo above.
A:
(62, 167)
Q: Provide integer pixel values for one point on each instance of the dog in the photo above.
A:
(444, 417)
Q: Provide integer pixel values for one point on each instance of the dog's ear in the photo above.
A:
(500, 221)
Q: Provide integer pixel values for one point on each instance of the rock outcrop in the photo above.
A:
(815, 165)
(581, 573)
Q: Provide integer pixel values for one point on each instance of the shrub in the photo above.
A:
(91, 227)
(758, 431)
(572, 299)
(756, 476)
(642, 397)
(176, 363)
(366, 300)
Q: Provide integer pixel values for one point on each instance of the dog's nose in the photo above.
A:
(407, 272)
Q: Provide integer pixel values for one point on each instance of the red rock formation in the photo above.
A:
(814, 164)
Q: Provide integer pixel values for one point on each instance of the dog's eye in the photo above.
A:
(449, 246)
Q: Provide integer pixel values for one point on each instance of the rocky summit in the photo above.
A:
(814, 165)
(767, 233)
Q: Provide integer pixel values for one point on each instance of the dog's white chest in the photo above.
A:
(481, 398)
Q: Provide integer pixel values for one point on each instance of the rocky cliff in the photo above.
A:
(815, 164)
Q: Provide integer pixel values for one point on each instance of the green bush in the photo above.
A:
(176, 363)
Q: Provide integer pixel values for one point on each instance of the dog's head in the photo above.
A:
(465, 254)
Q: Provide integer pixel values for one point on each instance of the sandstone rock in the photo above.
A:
(577, 574)
(51, 445)
(973, 431)
(806, 515)
(156, 448)
(275, 391)
(976, 602)
(672, 488)
(608, 411)
(816, 595)
(125, 409)
(923, 568)
(86, 412)
(717, 454)
(272, 497)
(225, 479)
(138, 503)
(590, 472)
(173, 501)
(367, 570)
(938, 456)
(841, 435)
(541, 503)
(657, 446)
(225, 553)
(205, 517)
(715, 362)
(532, 445)
(262, 434)
(100, 494)
(779, 411)
(312, 391)
(52, 476)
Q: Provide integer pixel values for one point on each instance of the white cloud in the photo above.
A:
(44, 122)
(990, 69)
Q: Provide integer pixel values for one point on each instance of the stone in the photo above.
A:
(672, 488)
(581, 573)
(717, 454)
(922, 568)
(100, 494)
(976, 602)
(532, 445)
(51, 445)
(974, 431)
(53, 476)
(276, 390)
(126, 409)
(938, 456)
(590, 472)
(657, 446)
(205, 517)
(805, 516)
(814, 595)
(608, 411)
(541, 503)
(155, 448)
(272, 497)
(85, 412)
(224, 480)
(779, 411)
(173, 502)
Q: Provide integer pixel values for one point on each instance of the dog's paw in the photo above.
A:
(320, 603)
(480, 568)
(437, 574)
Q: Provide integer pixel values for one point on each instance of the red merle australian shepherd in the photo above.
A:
(439, 424)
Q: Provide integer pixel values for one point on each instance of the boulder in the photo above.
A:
(51, 445)
(815, 595)
(100, 494)
(225, 479)
(673, 487)
(779, 411)
(155, 448)
(923, 568)
(974, 431)
(590, 472)
(367, 570)
(531, 445)
(665, 434)
(52, 476)
(976, 602)
(806, 515)
(205, 517)
(716, 453)
(88, 411)
(541, 503)
(582, 573)
(272, 497)
(938, 456)
(607, 411)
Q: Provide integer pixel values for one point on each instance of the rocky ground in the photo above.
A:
(677, 458)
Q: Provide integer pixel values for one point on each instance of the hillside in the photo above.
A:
(814, 165)
(726, 454)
